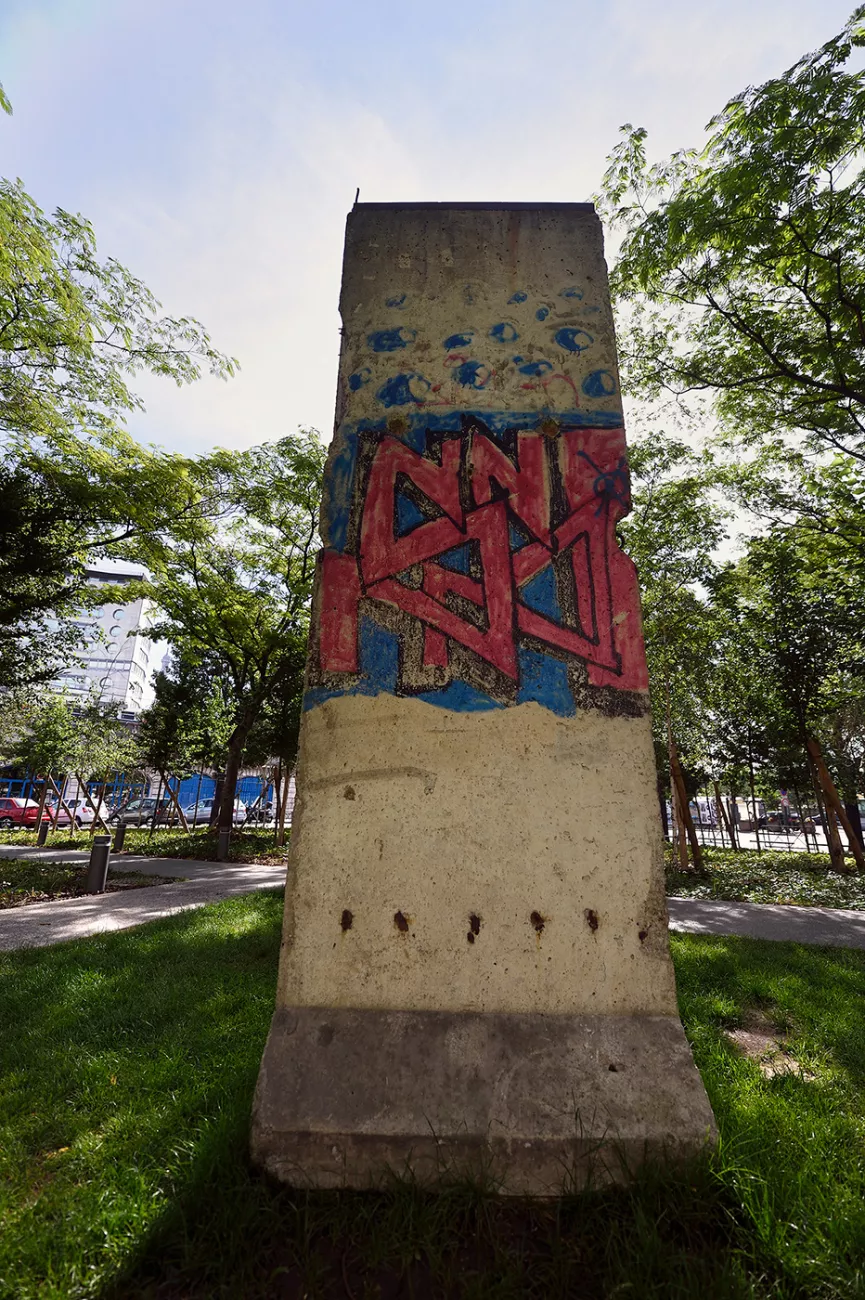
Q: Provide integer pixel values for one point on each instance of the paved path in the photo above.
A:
(41, 924)
(835, 927)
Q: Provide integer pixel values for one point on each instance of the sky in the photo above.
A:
(216, 147)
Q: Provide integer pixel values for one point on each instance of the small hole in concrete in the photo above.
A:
(349, 792)
(538, 922)
(591, 919)
(475, 923)
(470, 937)
(347, 920)
(614, 1069)
(644, 934)
(400, 922)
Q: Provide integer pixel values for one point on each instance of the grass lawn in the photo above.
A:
(252, 845)
(128, 1063)
(773, 876)
(26, 880)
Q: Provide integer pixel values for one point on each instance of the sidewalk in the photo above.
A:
(41, 924)
(834, 927)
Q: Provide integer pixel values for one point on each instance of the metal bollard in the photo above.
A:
(42, 833)
(97, 871)
(222, 846)
(119, 836)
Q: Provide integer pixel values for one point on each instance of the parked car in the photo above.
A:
(140, 812)
(19, 813)
(81, 811)
(201, 815)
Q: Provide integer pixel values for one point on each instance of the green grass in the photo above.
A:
(253, 845)
(28, 880)
(773, 876)
(128, 1064)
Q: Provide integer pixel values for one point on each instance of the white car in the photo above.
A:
(204, 811)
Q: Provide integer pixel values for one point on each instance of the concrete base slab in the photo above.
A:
(539, 1104)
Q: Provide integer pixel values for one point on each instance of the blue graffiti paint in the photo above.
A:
(359, 378)
(571, 292)
(403, 390)
(534, 367)
(516, 539)
(542, 313)
(458, 340)
(539, 593)
(398, 301)
(462, 698)
(498, 422)
(337, 503)
(379, 658)
(408, 516)
(544, 680)
(573, 340)
(390, 340)
(456, 560)
(519, 296)
(504, 332)
(472, 374)
(600, 383)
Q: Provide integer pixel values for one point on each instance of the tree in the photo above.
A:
(239, 600)
(744, 265)
(74, 485)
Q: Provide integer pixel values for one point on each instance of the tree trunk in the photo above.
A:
(217, 802)
(662, 802)
(280, 839)
(232, 771)
(834, 807)
(851, 808)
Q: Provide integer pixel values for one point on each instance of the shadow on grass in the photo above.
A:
(129, 1062)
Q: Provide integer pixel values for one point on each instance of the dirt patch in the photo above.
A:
(762, 1041)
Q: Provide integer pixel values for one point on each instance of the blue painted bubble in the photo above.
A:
(571, 292)
(600, 383)
(504, 332)
(472, 374)
(519, 296)
(542, 313)
(403, 390)
(573, 340)
(534, 367)
(408, 516)
(379, 658)
(544, 680)
(456, 560)
(390, 340)
(458, 341)
(359, 378)
(540, 594)
(398, 301)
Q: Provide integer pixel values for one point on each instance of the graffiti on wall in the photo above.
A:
(479, 569)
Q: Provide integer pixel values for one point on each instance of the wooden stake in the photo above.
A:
(834, 804)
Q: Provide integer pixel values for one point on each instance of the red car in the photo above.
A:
(19, 812)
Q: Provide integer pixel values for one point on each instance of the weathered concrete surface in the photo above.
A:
(534, 1102)
(506, 816)
(476, 832)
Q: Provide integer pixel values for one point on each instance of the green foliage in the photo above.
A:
(25, 880)
(801, 879)
(742, 265)
(128, 1070)
(55, 736)
(238, 601)
(188, 724)
(74, 486)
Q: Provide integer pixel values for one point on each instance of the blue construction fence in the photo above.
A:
(121, 789)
